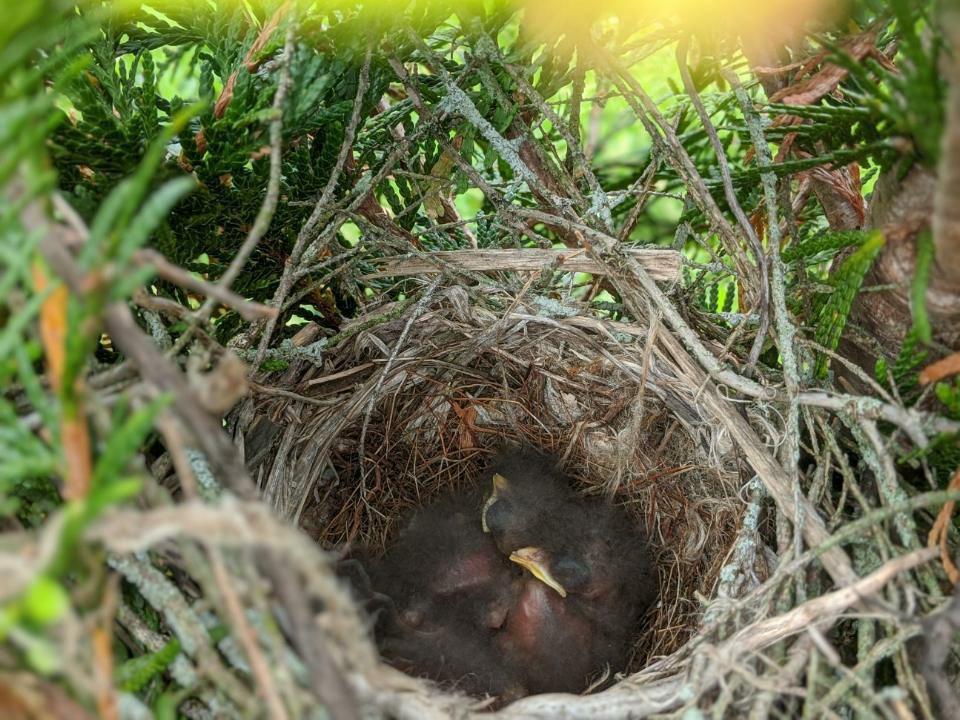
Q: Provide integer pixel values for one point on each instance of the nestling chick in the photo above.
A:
(448, 648)
(448, 590)
(443, 557)
(546, 637)
(592, 580)
(526, 488)
(592, 576)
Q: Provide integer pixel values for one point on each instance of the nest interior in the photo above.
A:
(401, 408)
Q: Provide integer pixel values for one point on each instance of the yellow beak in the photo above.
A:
(535, 560)
(499, 484)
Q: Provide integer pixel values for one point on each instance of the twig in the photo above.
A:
(234, 607)
(181, 669)
(914, 422)
(820, 611)
(267, 209)
(458, 101)
(889, 488)
(307, 233)
(662, 264)
(785, 329)
(941, 529)
(167, 599)
(849, 531)
(730, 194)
(178, 276)
(675, 153)
(574, 149)
(939, 631)
(258, 663)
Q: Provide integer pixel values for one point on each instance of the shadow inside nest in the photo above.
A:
(350, 447)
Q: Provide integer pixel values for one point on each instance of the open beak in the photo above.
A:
(535, 560)
(499, 484)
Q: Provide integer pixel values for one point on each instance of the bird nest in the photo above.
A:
(408, 402)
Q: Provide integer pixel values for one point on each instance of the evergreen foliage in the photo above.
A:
(153, 125)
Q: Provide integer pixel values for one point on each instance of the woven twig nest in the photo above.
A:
(399, 410)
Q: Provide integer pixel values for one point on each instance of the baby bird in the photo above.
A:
(441, 558)
(525, 490)
(546, 637)
(449, 648)
(448, 590)
(591, 574)
(599, 556)
(579, 608)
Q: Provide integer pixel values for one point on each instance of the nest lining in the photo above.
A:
(403, 411)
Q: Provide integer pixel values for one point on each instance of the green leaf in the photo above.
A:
(114, 216)
(165, 706)
(18, 468)
(812, 249)
(79, 514)
(9, 617)
(33, 387)
(12, 334)
(847, 280)
(136, 673)
(918, 288)
(43, 656)
(116, 492)
(45, 601)
(274, 365)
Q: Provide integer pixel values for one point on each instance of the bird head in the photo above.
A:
(525, 488)
(563, 573)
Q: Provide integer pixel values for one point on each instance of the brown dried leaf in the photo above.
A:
(103, 660)
(824, 82)
(950, 365)
(940, 530)
(76, 450)
(264, 37)
(467, 416)
(53, 325)
(226, 96)
(201, 142)
(74, 433)
(840, 195)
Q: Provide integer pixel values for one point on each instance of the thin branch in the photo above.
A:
(307, 234)
(939, 632)
(232, 602)
(763, 301)
(821, 611)
(269, 206)
(662, 264)
(175, 274)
